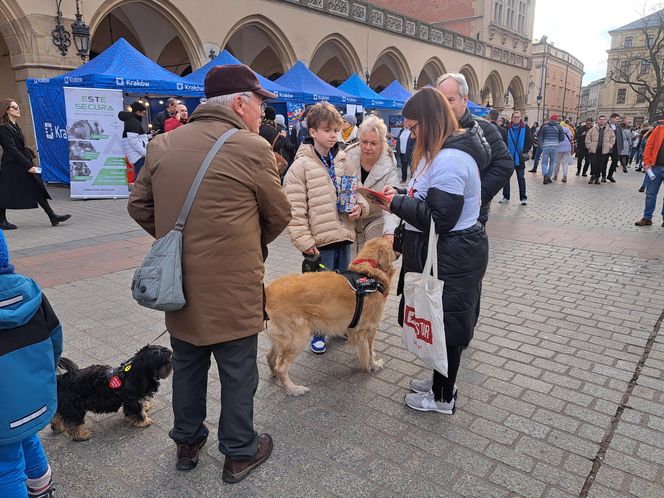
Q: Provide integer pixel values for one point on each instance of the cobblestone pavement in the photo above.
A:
(561, 388)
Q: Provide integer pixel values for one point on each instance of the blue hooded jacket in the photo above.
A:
(30, 346)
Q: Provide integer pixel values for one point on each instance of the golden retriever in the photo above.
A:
(324, 302)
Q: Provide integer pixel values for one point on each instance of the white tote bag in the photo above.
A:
(423, 328)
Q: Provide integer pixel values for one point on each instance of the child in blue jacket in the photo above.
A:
(30, 346)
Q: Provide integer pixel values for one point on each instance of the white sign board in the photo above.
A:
(97, 167)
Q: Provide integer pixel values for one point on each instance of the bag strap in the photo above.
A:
(432, 252)
(193, 190)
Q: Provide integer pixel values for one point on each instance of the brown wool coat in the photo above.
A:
(240, 208)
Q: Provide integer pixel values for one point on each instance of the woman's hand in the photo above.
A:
(355, 213)
(33, 169)
(389, 192)
(312, 250)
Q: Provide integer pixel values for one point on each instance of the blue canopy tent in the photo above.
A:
(119, 67)
(395, 91)
(225, 57)
(355, 85)
(313, 89)
(477, 110)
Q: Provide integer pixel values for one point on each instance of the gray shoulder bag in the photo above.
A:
(157, 283)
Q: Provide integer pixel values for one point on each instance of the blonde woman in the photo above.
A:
(375, 161)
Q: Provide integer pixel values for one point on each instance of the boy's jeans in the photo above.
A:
(549, 154)
(651, 192)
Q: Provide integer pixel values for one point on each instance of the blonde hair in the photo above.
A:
(373, 123)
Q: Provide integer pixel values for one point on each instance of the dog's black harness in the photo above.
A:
(361, 285)
(116, 377)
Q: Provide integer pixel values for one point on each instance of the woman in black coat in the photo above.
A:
(445, 186)
(21, 185)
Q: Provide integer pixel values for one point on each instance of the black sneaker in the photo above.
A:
(5, 225)
(611, 179)
(57, 218)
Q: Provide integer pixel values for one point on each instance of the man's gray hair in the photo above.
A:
(459, 78)
(225, 101)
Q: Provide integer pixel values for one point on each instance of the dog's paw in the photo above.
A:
(146, 422)
(377, 365)
(147, 405)
(297, 390)
(80, 434)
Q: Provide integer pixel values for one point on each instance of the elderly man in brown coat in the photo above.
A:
(240, 208)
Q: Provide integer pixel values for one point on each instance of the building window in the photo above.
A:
(498, 12)
(510, 14)
(649, 40)
(645, 67)
(622, 93)
(628, 42)
(640, 99)
(624, 68)
(523, 9)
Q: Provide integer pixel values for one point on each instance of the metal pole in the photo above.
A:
(546, 75)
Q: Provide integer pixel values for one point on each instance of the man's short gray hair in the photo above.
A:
(459, 78)
(225, 101)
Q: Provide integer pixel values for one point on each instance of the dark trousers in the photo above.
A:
(582, 157)
(443, 387)
(521, 179)
(238, 373)
(137, 167)
(43, 203)
(403, 164)
(615, 161)
(598, 165)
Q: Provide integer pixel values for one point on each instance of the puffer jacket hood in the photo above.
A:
(472, 142)
(18, 289)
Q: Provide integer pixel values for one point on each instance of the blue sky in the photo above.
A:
(581, 27)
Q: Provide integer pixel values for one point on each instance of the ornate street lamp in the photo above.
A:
(61, 37)
(80, 30)
(81, 33)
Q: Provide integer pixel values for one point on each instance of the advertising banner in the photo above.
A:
(97, 167)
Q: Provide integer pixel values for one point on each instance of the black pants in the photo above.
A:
(598, 165)
(615, 162)
(43, 203)
(403, 163)
(582, 156)
(238, 373)
(443, 387)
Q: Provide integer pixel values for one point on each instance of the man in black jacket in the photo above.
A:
(582, 153)
(500, 167)
(161, 117)
(493, 119)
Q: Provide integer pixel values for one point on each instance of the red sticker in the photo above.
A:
(115, 382)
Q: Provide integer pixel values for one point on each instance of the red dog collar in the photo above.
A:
(370, 261)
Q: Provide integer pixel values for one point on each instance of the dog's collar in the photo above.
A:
(372, 262)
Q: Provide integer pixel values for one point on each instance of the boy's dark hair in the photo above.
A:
(322, 114)
(601, 116)
(493, 115)
(614, 115)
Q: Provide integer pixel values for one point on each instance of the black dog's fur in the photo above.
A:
(87, 389)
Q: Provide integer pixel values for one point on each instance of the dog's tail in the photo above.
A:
(66, 365)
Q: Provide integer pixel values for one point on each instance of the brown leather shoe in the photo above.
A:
(236, 470)
(643, 222)
(188, 455)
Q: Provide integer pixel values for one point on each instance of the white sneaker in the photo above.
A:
(503, 201)
(425, 386)
(425, 402)
(524, 203)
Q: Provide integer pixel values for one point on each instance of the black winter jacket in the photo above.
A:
(499, 169)
(462, 255)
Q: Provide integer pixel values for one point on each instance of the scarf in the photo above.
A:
(516, 136)
(346, 134)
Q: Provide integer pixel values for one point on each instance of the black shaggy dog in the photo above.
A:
(102, 389)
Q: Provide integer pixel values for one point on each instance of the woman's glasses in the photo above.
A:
(15, 106)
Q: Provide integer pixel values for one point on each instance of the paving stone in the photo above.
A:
(469, 486)
(518, 482)
(527, 426)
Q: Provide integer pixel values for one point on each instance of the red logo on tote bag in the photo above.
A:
(421, 326)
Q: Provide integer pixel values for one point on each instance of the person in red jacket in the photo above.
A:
(653, 162)
(180, 117)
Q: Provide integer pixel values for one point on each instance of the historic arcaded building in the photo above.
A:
(413, 42)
